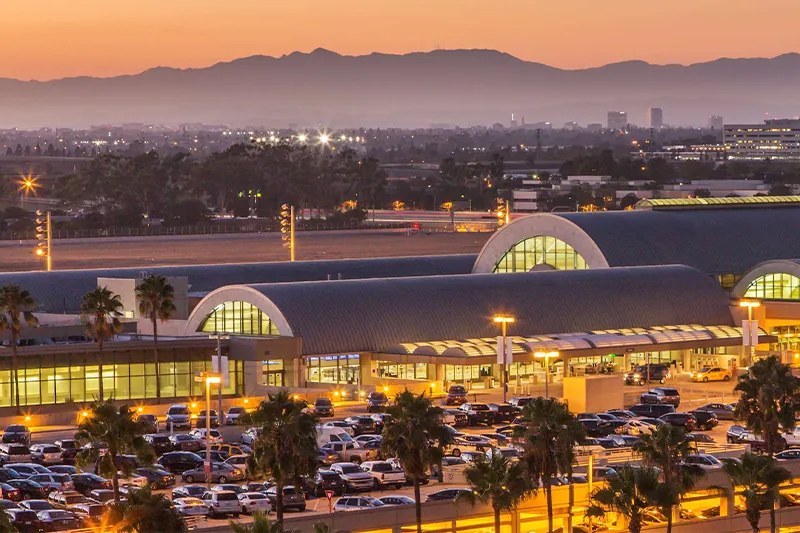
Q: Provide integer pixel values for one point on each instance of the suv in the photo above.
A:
(685, 420)
(160, 443)
(326, 480)
(705, 419)
(503, 412)
(14, 453)
(647, 373)
(323, 407)
(292, 498)
(179, 462)
(46, 454)
(652, 410)
(222, 503)
(377, 402)
(69, 449)
(478, 413)
(200, 421)
(662, 395)
(178, 417)
(456, 395)
(17, 433)
(149, 422)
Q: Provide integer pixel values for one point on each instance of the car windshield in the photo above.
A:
(378, 396)
(480, 407)
(350, 469)
(669, 392)
(73, 499)
(18, 450)
(61, 515)
(236, 410)
(65, 444)
(147, 418)
(325, 402)
(50, 449)
(457, 389)
(227, 496)
(704, 369)
(178, 411)
(16, 429)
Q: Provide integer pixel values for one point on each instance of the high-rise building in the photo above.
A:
(617, 120)
(655, 118)
(715, 122)
(777, 139)
(571, 125)
(513, 121)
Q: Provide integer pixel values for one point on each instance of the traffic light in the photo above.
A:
(287, 228)
(502, 212)
(43, 237)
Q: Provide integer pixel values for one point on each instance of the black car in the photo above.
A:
(478, 413)
(456, 395)
(179, 462)
(460, 416)
(735, 433)
(653, 372)
(662, 395)
(596, 428)
(685, 420)
(26, 521)
(156, 477)
(503, 412)
(69, 449)
(377, 402)
(362, 425)
(380, 421)
(706, 420)
(160, 443)
(17, 433)
(652, 410)
(7, 474)
(186, 443)
(323, 407)
(326, 480)
(188, 491)
(30, 490)
(149, 422)
(445, 495)
(85, 482)
(200, 421)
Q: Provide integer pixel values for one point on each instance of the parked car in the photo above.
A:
(29, 489)
(237, 461)
(87, 482)
(461, 418)
(63, 469)
(723, 411)
(710, 373)
(503, 412)
(735, 433)
(685, 420)
(704, 461)
(178, 417)
(222, 503)
(377, 402)
(757, 443)
(188, 491)
(234, 414)
(17, 433)
(324, 407)
(701, 439)
(101, 495)
(26, 470)
(148, 421)
(340, 424)
(179, 462)
(456, 395)
(207, 437)
(661, 395)
(478, 413)
(361, 424)
(190, 506)
(349, 452)
(250, 435)
(380, 420)
(160, 443)
(90, 514)
(186, 443)
(292, 498)
(356, 503)
(445, 495)
(200, 421)
(229, 486)
(325, 480)
(13, 453)
(156, 477)
(58, 520)
(66, 499)
(706, 420)
(648, 373)
(9, 492)
(254, 502)
(37, 505)
(8, 504)
(46, 454)
(60, 482)
(327, 457)
(520, 401)
(25, 521)
(785, 455)
(367, 437)
(232, 449)
(652, 410)
(69, 449)
(220, 473)
(636, 428)
(624, 414)
(353, 476)
(384, 474)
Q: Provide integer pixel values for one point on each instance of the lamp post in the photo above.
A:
(219, 337)
(208, 378)
(546, 356)
(504, 321)
(751, 331)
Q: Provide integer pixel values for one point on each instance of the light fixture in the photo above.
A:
(750, 303)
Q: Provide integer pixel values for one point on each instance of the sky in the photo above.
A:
(51, 39)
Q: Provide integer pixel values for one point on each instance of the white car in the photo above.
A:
(367, 437)
(448, 418)
(344, 426)
(254, 502)
(190, 507)
(200, 434)
(636, 428)
(384, 474)
(134, 479)
(237, 461)
(356, 503)
(704, 461)
(47, 454)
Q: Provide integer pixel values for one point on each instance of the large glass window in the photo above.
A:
(273, 373)
(417, 371)
(238, 317)
(333, 369)
(774, 287)
(540, 250)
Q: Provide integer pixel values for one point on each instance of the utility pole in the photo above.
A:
(287, 228)
(44, 236)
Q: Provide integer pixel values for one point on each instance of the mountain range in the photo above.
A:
(459, 87)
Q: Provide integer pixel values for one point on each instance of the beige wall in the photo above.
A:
(126, 289)
(594, 393)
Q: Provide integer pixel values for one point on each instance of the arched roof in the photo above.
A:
(781, 266)
(716, 241)
(371, 315)
(61, 291)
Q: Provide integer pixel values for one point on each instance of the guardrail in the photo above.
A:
(627, 455)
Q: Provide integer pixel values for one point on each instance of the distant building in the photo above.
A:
(655, 118)
(775, 139)
(617, 120)
(513, 121)
(595, 127)
(715, 122)
(571, 125)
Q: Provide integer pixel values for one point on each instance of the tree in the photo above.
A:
(415, 435)
(629, 200)
(156, 302)
(630, 493)
(758, 477)
(100, 311)
(121, 433)
(145, 512)
(702, 193)
(260, 524)
(16, 303)
(499, 482)
(779, 189)
(286, 449)
(666, 449)
(549, 435)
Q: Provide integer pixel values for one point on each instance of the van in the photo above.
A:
(14, 453)
(332, 434)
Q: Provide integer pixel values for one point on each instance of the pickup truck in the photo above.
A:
(349, 452)
(792, 439)
(384, 474)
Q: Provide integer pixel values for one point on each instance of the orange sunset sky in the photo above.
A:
(47, 39)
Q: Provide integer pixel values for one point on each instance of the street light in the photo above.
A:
(504, 321)
(546, 356)
(209, 378)
(749, 330)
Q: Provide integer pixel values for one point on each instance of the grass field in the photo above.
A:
(240, 248)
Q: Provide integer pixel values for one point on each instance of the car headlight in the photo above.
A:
(637, 375)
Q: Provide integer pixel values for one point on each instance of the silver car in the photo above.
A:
(190, 507)
(220, 473)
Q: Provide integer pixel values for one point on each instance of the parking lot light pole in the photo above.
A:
(209, 378)
(751, 331)
(546, 356)
(504, 321)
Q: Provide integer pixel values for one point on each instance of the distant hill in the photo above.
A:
(461, 87)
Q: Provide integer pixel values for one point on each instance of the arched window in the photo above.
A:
(774, 287)
(238, 317)
(540, 250)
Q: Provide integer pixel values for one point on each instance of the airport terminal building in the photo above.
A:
(661, 283)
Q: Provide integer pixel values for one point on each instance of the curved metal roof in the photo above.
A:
(371, 315)
(716, 241)
(61, 291)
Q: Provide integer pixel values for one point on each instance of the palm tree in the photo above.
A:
(101, 310)
(415, 435)
(666, 448)
(497, 481)
(145, 512)
(5, 524)
(630, 493)
(14, 303)
(156, 302)
(120, 432)
(549, 434)
(260, 524)
(758, 477)
(286, 449)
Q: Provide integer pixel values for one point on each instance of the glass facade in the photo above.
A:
(343, 369)
(273, 373)
(540, 250)
(403, 370)
(467, 372)
(74, 378)
(788, 339)
(238, 317)
(774, 287)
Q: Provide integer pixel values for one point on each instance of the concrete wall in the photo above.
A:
(126, 288)
(593, 393)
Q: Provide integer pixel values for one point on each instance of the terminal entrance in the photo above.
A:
(476, 376)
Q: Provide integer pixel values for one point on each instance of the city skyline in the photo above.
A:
(126, 37)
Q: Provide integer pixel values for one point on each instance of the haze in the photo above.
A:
(100, 38)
